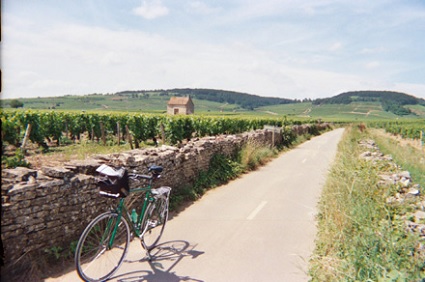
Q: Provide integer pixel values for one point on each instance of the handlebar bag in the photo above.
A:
(115, 186)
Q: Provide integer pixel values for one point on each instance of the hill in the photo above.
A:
(150, 100)
(346, 106)
(144, 102)
(390, 101)
(244, 100)
(355, 111)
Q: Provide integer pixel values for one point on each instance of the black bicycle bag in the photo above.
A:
(113, 183)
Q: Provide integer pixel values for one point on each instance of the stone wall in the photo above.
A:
(408, 193)
(50, 207)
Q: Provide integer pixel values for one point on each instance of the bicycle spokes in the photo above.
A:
(102, 247)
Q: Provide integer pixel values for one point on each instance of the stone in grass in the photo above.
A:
(419, 215)
(405, 174)
(365, 155)
(404, 182)
(414, 192)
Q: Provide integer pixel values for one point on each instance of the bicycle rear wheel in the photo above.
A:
(154, 221)
(95, 259)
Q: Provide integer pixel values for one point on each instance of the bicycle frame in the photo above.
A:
(103, 245)
(122, 208)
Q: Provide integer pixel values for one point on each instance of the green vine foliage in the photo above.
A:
(55, 125)
(15, 161)
(406, 129)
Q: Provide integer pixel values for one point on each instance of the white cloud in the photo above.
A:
(376, 50)
(372, 65)
(336, 46)
(137, 60)
(151, 9)
(201, 7)
(111, 58)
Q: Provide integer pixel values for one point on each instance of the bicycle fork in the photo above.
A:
(148, 254)
(153, 223)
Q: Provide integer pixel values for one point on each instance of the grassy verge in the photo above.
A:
(223, 169)
(362, 237)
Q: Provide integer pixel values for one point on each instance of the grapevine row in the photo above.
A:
(53, 125)
(405, 129)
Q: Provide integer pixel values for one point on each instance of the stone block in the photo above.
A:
(57, 172)
(18, 174)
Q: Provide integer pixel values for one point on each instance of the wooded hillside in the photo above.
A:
(390, 101)
(246, 101)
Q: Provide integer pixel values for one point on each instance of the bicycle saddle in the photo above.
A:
(156, 169)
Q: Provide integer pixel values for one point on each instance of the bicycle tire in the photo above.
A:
(156, 217)
(93, 260)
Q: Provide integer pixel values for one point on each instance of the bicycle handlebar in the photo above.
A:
(136, 176)
(154, 170)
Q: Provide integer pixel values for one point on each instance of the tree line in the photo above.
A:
(244, 100)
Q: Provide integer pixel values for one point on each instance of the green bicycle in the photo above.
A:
(103, 244)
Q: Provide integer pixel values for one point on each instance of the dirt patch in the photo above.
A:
(56, 159)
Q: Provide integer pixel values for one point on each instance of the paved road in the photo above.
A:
(259, 227)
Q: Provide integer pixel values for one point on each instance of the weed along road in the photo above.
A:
(260, 227)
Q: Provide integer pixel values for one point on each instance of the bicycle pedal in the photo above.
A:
(153, 223)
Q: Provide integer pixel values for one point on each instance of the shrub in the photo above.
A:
(16, 104)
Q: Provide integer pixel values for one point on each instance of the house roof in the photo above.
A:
(179, 101)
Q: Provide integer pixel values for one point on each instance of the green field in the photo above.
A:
(151, 103)
(156, 102)
(339, 112)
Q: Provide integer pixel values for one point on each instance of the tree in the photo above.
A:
(16, 104)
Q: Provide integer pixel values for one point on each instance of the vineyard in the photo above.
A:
(60, 127)
(55, 126)
(414, 129)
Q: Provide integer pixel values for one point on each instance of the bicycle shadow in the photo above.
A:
(164, 257)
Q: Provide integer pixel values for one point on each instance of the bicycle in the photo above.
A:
(103, 244)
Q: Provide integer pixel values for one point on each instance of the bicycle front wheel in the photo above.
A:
(154, 221)
(98, 255)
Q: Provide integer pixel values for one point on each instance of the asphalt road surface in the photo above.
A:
(260, 227)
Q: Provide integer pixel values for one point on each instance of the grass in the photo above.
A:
(253, 155)
(35, 157)
(84, 150)
(80, 151)
(361, 237)
(408, 157)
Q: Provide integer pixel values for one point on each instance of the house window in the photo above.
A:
(176, 111)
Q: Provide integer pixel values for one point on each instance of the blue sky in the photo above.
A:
(279, 48)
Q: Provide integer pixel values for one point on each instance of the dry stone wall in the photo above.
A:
(408, 193)
(50, 207)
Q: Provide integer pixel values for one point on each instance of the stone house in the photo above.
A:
(180, 105)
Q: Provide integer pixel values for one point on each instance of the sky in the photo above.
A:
(296, 49)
